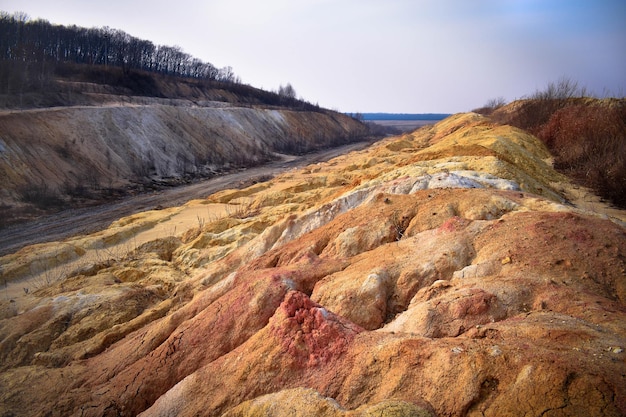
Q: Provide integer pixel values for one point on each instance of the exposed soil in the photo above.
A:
(446, 272)
(86, 220)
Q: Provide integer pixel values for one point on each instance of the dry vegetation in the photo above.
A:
(589, 144)
(587, 136)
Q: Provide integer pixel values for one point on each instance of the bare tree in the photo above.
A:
(287, 92)
(562, 89)
(227, 75)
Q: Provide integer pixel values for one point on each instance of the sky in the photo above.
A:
(397, 56)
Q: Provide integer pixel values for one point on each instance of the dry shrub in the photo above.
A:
(491, 106)
(589, 144)
(41, 196)
(587, 136)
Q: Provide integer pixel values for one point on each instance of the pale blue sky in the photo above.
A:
(379, 55)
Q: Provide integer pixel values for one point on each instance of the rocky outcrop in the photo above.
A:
(447, 272)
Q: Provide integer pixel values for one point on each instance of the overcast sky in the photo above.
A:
(410, 56)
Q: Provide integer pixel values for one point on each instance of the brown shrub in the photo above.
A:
(589, 144)
(587, 137)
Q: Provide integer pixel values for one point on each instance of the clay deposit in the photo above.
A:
(446, 272)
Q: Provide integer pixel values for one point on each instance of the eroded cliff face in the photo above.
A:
(75, 151)
(444, 272)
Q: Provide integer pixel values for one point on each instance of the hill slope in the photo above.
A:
(587, 137)
(58, 156)
(442, 272)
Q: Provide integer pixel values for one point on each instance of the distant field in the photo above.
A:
(404, 125)
(403, 121)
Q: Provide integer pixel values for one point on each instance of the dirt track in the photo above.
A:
(73, 222)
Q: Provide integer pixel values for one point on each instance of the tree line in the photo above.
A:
(34, 52)
(27, 43)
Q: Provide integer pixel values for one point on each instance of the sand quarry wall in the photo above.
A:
(113, 145)
(446, 272)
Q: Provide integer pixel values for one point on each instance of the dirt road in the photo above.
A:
(90, 219)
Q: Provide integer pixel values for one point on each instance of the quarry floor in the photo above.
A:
(86, 220)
